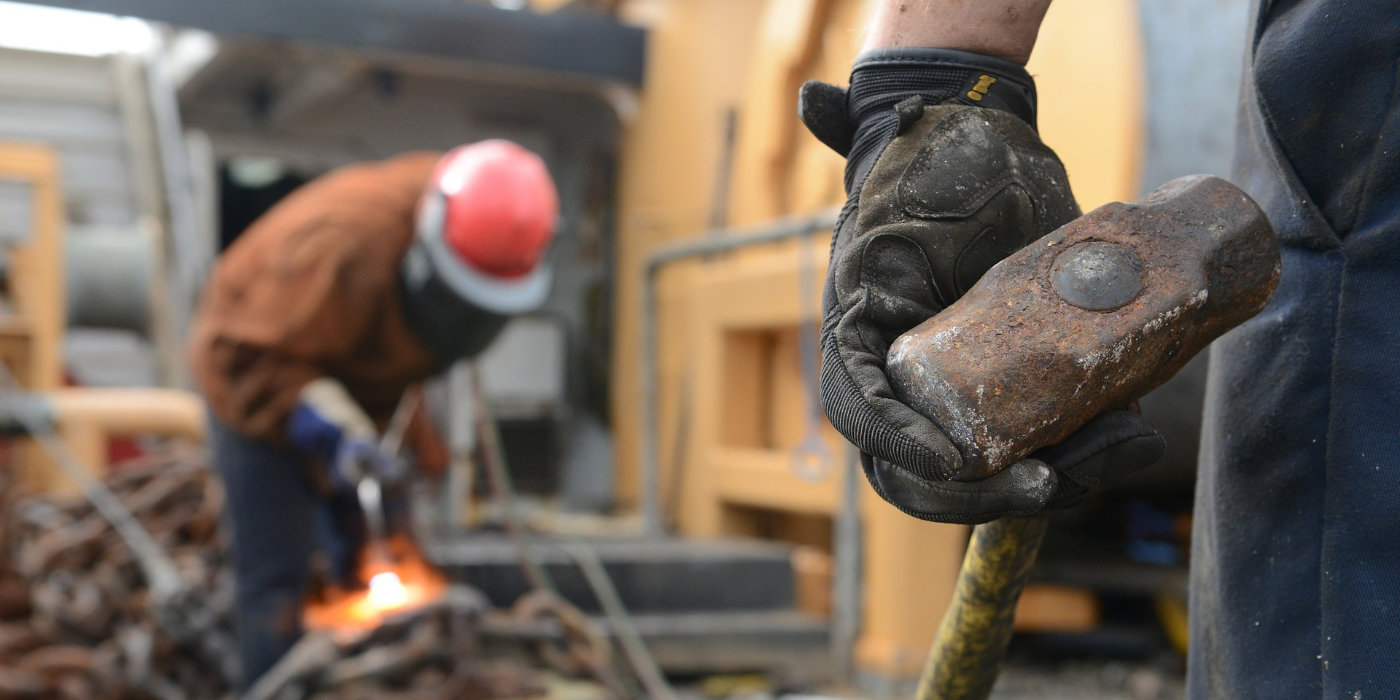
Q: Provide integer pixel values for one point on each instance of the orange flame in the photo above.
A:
(404, 582)
(386, 591)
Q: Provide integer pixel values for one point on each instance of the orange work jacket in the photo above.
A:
(311, 290)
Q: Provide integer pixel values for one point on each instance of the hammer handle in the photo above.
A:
(963, 662)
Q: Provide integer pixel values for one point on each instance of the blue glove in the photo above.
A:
(332, 429)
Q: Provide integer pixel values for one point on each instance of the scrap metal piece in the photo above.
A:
(88, 593)
(176, 604)
(18, 683)
(20, 411)
(54, 661)
(94, 629)
(1088, 318)
(425, 651)
(17, 639)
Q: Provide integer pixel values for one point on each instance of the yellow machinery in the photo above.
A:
(32, 318)
(31, 304)
(733, 409)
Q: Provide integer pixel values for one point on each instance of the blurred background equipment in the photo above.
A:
(727, 327)
(661, 391)
(85, 629)
(33, 317)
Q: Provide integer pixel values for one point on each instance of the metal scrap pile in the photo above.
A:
(425, 653)
(75, 618)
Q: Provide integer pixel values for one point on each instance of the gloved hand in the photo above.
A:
(334, 431)
(945, 176)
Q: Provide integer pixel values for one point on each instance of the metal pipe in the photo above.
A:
(643, 664)
(128, 411)
(498, 476)
(845, 588)
(177, 606)
(189, 256)
(718, 242)
(160, 572)
(107, 284)
(493, 460)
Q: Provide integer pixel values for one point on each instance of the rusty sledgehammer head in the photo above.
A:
(1090, 317)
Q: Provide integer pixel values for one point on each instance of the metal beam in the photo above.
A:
(574, 45)
(720, 241)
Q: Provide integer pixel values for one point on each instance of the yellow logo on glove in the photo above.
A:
(984, 84)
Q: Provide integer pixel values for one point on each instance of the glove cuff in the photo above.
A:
(883, 78)
(332, 401)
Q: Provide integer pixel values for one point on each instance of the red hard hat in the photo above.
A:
(499, 207)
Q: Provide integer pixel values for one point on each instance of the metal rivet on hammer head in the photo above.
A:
(1097, 275)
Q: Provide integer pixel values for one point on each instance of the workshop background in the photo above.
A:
(671, 471)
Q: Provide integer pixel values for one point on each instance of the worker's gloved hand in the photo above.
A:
(945, 176)
(1112, 445)
(329, 426)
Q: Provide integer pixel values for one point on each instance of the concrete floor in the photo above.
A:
(1020, 679)
(1083, 680)
(1029, 680)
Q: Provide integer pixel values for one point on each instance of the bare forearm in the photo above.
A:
(1002, 28)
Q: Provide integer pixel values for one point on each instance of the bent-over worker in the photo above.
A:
(317, 320)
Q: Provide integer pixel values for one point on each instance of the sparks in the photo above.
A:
(405, 581)
(386, 591)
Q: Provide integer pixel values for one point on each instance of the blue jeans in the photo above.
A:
(1295, 562)
(277, 522)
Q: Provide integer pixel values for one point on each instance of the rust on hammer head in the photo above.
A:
(1088, 318)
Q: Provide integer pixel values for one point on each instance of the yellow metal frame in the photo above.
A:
(747, 415)
(730, 387)
(32, 327)
(31, 342)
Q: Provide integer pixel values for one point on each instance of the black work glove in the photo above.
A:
(945, 176)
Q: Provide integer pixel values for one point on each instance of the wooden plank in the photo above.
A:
(813, 569)
(760, 289)
(36, 275)
(675, 383)
(765, 479)
(791, 392)
(746, 396)
(1045, 607)
(702, 512)
(791, 34)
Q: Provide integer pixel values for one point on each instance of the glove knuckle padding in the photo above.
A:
(955, 191)
(898, 288)
(971, 186)
(939, 192)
